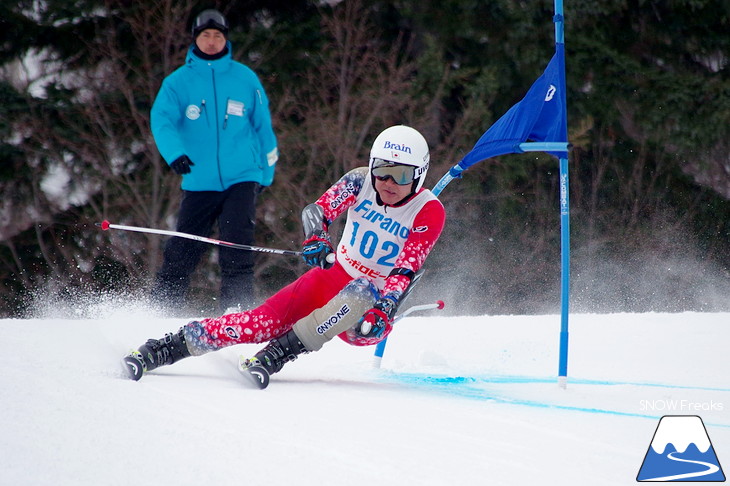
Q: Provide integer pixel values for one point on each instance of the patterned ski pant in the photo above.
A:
(298, 301)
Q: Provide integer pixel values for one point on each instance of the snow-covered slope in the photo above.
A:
(458, 400)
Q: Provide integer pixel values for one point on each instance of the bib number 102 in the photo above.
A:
(370, 242)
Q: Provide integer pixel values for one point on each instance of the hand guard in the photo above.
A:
(374, 321)
(316, 248)
(181, 165)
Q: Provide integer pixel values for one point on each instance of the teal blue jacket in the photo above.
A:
(216, 113)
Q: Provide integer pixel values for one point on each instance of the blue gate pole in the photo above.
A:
(564, 219)
(564, 272)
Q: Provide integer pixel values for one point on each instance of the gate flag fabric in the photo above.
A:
(540, 117)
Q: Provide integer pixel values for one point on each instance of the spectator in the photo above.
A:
(211, 123)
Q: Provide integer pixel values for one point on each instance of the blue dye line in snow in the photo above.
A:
(514, 379)
(576, 381)
(474, 388)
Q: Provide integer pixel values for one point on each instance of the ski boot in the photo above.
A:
(155, 353)
(271, 359)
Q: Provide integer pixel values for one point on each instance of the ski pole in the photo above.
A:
(105, 225)
(439, 304)
(380, 348)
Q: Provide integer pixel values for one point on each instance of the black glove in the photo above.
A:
(316, 248)
(181, 165)
(374, 321)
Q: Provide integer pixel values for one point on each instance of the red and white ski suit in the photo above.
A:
(375, 240)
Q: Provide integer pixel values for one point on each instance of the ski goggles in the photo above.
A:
(210, 19)
(385, 169)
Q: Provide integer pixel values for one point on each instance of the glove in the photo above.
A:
(181, 165)
(374, 321)
(316, 248)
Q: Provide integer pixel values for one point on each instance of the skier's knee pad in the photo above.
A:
(338, 315)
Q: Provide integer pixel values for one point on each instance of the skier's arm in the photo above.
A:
(317, 245)
(342, 194)
(427, 227)
(317, 217)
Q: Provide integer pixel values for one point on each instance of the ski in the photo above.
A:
(254, 374)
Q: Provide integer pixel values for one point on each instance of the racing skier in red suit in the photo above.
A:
(392, 225)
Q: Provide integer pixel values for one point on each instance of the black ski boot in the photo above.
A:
(280, 351)
(155, 353)
(272, 358)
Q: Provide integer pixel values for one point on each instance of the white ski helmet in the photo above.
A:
(401, 145)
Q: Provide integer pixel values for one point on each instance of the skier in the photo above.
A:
(392, 225)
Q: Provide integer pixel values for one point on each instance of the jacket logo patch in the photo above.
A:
(192, 112)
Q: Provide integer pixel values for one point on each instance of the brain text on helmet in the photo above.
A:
(397, 146)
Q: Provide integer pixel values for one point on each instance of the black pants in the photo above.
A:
(235, 211)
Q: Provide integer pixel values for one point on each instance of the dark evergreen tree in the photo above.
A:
(649, 115)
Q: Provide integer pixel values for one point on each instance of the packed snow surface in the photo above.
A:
(457, 400)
